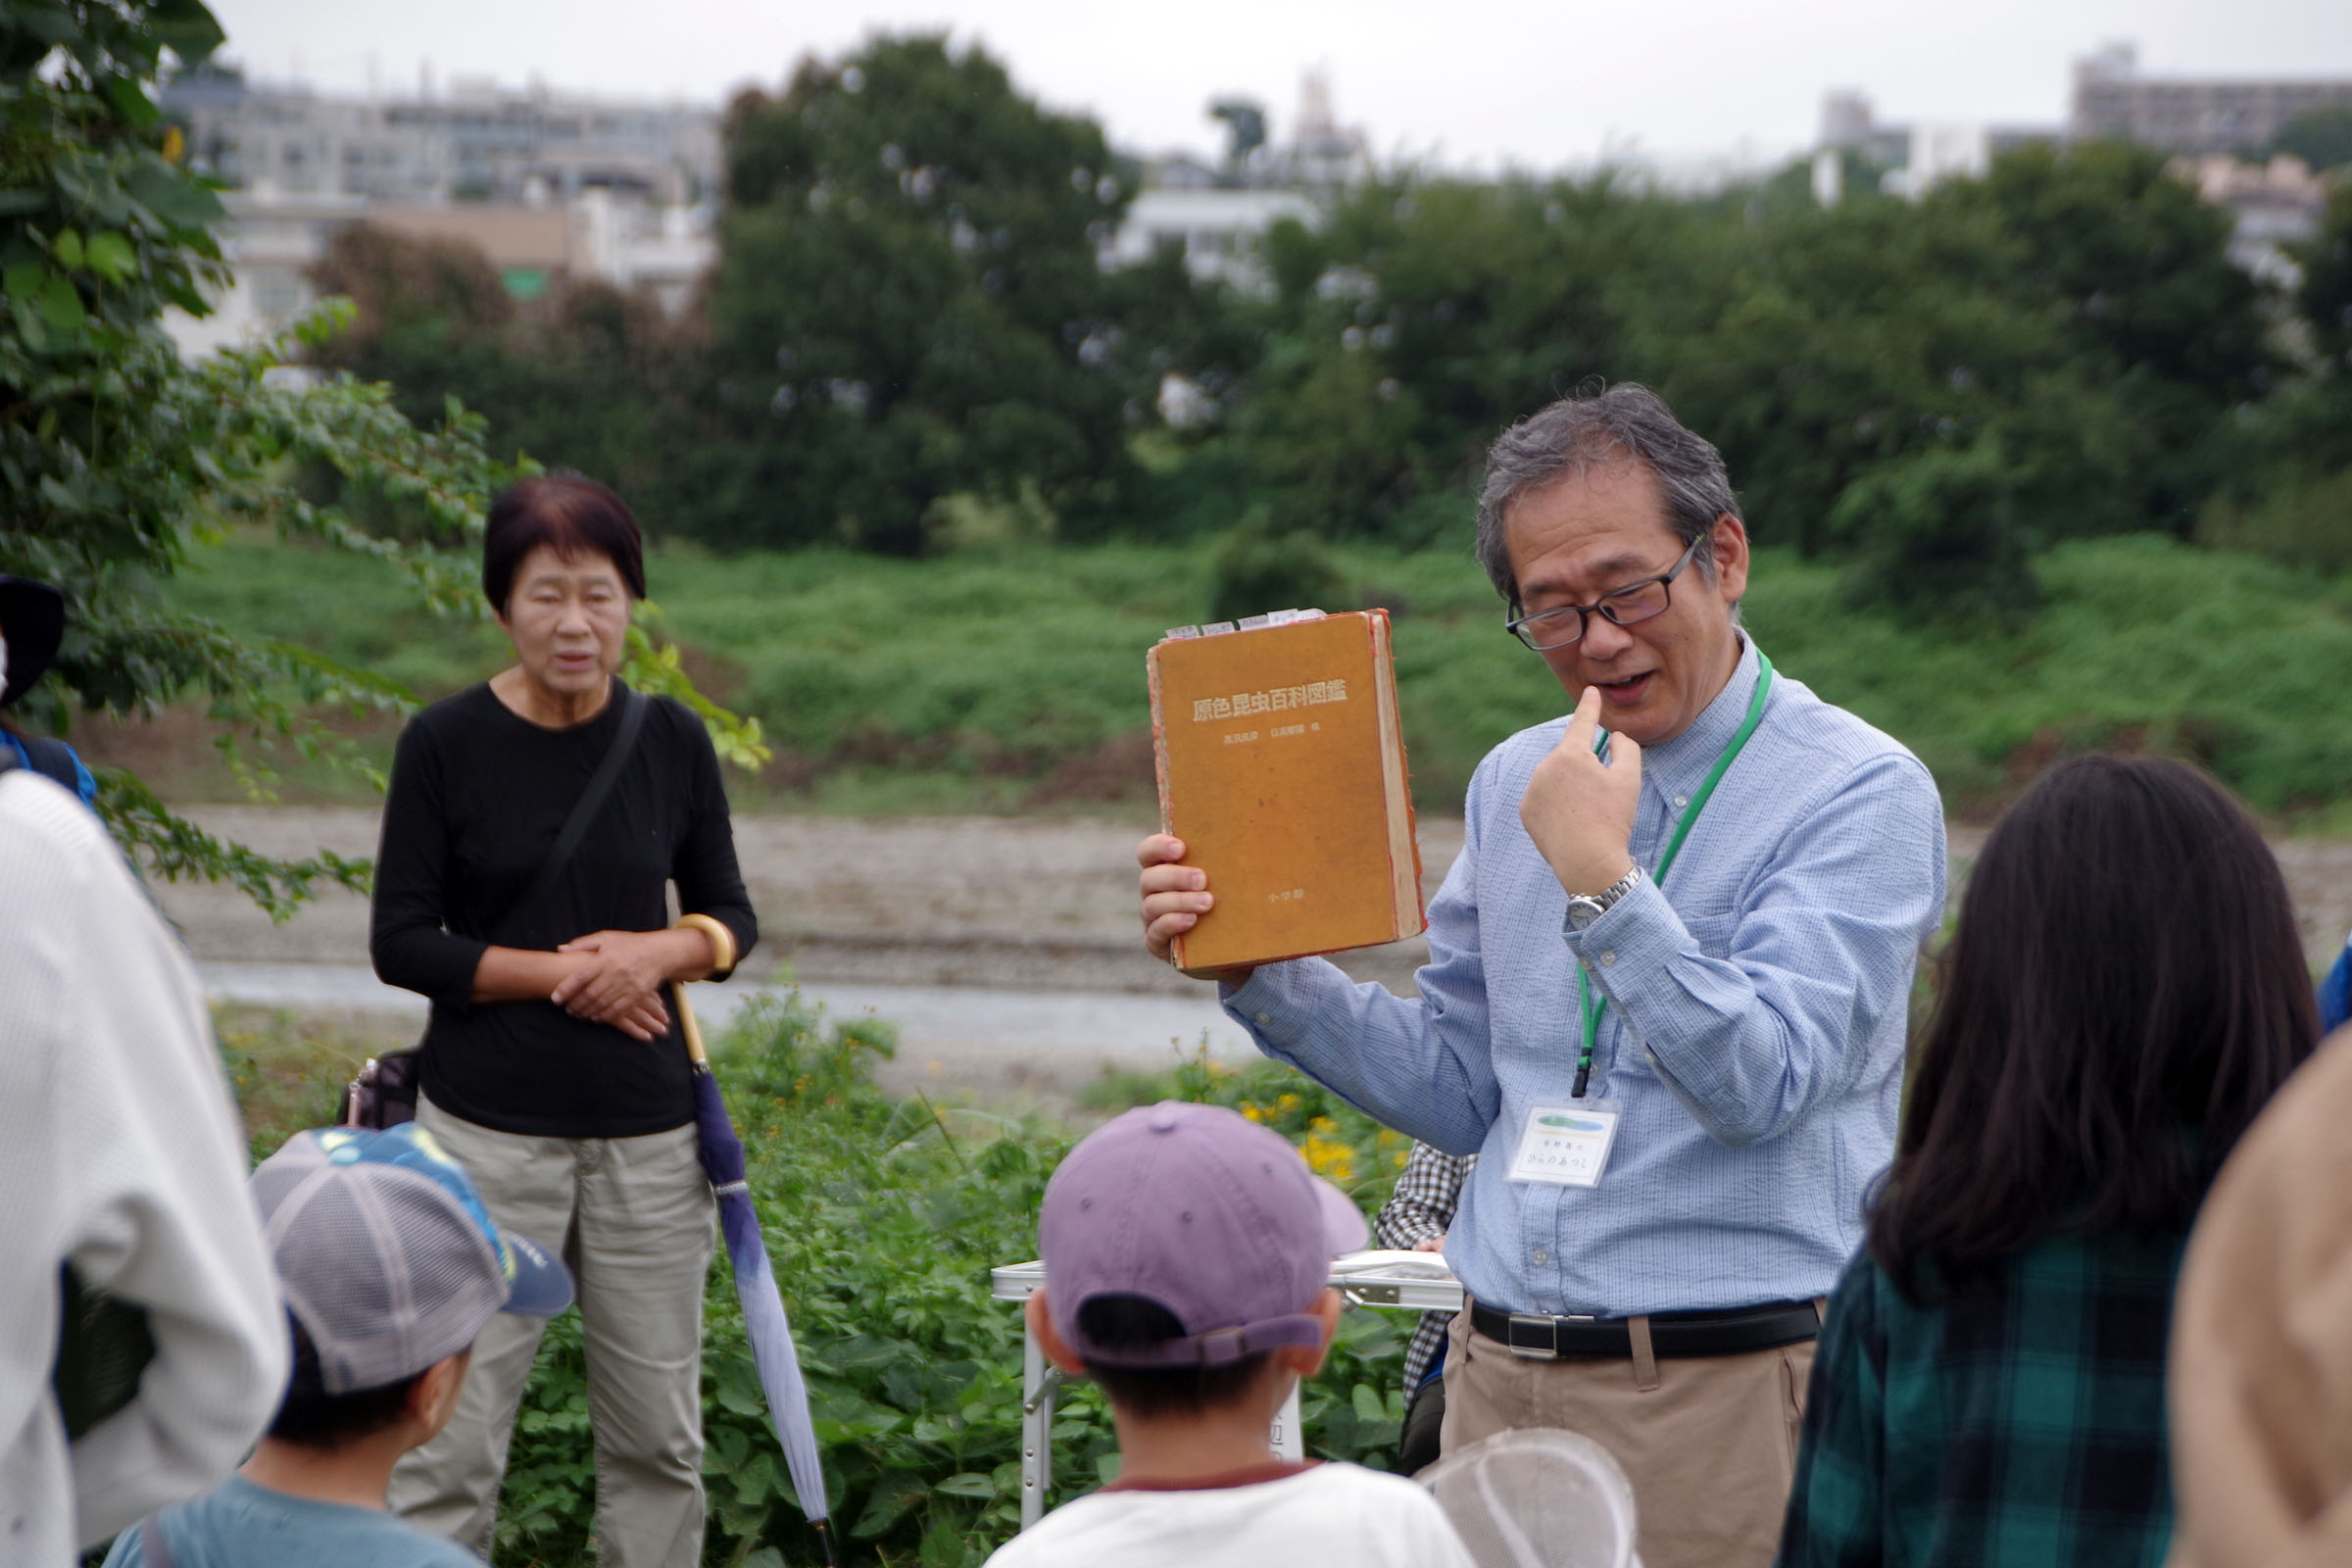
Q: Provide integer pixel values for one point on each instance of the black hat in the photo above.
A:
(33, 621)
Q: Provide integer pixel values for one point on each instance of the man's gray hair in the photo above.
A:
(1623, 424)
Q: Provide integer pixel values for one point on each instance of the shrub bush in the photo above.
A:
(883, 1220)
(1255, 569)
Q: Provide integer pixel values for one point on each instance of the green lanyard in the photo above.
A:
(1589, 1000)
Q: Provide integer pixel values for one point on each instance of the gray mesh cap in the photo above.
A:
(389, 1259)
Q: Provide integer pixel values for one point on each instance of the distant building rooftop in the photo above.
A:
(2187, 114)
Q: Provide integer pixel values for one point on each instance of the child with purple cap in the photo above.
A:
(1187, 1252)
(391, 1268)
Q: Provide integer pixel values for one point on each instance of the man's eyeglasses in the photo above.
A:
(1547, 629)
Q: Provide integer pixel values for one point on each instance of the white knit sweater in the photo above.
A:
(120, 1153)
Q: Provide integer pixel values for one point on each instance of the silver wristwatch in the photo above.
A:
(1585, 907)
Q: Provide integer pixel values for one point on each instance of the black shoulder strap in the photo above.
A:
(51, 759)
(592, 799)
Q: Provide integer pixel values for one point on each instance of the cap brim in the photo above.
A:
(1344, 1227)
(542, 1284)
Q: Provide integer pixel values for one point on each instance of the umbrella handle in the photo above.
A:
(687, 1024)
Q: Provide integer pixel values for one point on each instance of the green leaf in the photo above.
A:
(967, 1484)
(23, 281)
(892, 1497)
(129, 98)
(67, 248)
(46, 21)
(756, 1479)
(111, 257)
(188, 28)
(16, 203)
(172, 195)
(1367, 1404)
(61, 305)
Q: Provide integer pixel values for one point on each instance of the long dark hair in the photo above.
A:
(2125, 990)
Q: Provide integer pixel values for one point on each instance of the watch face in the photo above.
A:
(1583, 911)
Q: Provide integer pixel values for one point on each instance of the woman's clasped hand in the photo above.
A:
(621, 975)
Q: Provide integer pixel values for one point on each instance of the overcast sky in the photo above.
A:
(1537, 83)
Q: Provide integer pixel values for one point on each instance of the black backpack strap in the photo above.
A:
(52, 759)
(592, 799)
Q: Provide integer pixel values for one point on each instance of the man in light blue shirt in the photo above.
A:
(1666, 994)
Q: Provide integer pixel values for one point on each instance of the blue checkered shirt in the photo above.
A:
(1755, 1031)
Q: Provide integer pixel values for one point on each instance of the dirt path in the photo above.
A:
(1016, 903)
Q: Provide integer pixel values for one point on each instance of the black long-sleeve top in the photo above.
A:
(478, 796)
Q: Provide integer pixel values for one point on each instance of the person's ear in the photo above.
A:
(1728, 542)
(1048, 1339)
(1308, 1360)
(433, 1398)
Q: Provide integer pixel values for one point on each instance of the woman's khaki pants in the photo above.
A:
(632, 1217)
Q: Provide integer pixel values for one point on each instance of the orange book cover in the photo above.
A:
(1282, 769)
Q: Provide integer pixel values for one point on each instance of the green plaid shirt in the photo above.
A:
(2019, 1423)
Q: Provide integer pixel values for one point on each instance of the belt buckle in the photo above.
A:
(1551, 1330)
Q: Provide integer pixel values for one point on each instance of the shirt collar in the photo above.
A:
(1676, 768)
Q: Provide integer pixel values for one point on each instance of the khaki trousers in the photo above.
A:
(1710, 1441)
(633, 1217)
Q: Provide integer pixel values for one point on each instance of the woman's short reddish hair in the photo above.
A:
(568, 512)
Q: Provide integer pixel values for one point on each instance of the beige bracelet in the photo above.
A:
(723, 941)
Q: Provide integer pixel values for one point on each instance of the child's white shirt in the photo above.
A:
(1271, 1516)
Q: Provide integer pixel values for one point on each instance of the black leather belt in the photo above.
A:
(1670, 1334)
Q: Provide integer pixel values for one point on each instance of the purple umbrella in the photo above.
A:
(763, 1319)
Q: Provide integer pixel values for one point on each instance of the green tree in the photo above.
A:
(584, 376)
(2288, 490)
(115, 458)
(2324, 296)
(1425, 315)
(2074, 313)
(1841, 341)
(2320, 137)
(2137, 267)
(1939, 536)
(908, 303)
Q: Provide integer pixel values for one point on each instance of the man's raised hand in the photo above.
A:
(1175, 895)
(1579, 811)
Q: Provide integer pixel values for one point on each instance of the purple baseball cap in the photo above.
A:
(1204, 1212)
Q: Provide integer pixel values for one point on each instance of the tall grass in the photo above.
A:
(991, 680)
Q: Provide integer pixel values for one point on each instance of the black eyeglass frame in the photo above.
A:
(1518, 627)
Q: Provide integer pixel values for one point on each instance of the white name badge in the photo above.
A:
(1567, 1146)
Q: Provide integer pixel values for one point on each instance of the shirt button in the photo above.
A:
(1538, 1257)
(1609, 956)
(1681, 801)
(1262, 1018)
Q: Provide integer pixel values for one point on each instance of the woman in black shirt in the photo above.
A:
(553, 1067)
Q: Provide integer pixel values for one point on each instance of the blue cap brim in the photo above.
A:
(542, 1284)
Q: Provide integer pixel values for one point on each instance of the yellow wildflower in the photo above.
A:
(1328, 1158)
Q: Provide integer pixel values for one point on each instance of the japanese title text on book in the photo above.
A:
(1241, 704)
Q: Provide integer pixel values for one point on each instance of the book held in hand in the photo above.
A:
(1282, 769)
